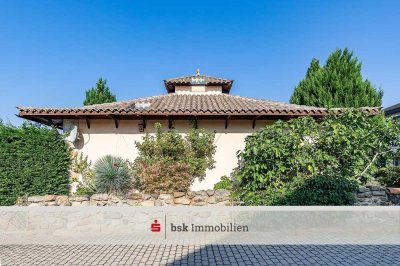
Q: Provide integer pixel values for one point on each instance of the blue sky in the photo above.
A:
(52, 51)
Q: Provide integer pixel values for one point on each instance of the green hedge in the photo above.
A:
(34, 160)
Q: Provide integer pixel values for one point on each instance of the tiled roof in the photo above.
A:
(186, 104)
(394, 109)
(198, 79)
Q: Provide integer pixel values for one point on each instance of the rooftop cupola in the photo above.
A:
(198, 84)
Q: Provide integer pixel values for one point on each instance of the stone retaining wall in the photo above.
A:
(377, 196)
(366, 196)
(219, 197)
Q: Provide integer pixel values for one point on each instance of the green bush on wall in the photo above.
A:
(309, 162)
(33, 161)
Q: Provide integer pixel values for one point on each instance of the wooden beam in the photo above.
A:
(116, 123)
(144, 123)
(226, 121)
(87, 123)
(169, 122)
(254, 121)
(195, 122)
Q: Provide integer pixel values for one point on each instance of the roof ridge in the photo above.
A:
(191, 76)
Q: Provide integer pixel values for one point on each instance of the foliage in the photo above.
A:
(353, 146)
(339, 83)
(81, 165)
(389, 176)
(112, 175)
(85, 190)
(224, 183)
(169, 154)
(320, 190)
(34, 160)
(162, 177)
(99, 94)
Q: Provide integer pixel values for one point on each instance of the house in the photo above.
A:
(394, 111)
(206, 101)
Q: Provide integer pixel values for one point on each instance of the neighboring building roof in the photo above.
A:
(201, 104)
(394, 109)
(198, 79)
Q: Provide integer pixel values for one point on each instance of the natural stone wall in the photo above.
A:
(219, 197)
(377, 196)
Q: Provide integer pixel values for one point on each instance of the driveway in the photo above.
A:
(199, 254)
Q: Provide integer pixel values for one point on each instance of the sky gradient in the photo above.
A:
(52, 51)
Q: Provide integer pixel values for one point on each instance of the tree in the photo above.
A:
(34, 160)
(339, 83)
(295, 162)
(99, 94)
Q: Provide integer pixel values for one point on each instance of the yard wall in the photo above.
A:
(262, 225)
(219, 197)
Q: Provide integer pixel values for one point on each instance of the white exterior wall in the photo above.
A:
(104, 138)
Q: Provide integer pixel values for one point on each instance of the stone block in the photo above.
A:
(115, 198)
(222, 195)
(191, 194)
(167, 198)
(48, 198)
(100, 197)
(201, 193)
(98, 203)
(212, 200)
(78, 198)
(133, 202)
(147, 203)
(376, 188)
(35, 199)
(378, 193)
(154, 195)
(62, 201)
(182, 201)
(179, 194)
(363, 189)
(210, 192)
(134, 196)
(146, 196)
(199, 199)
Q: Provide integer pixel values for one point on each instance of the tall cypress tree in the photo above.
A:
(339, 83)
(99, 94)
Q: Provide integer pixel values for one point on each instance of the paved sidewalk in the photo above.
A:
(199, 254)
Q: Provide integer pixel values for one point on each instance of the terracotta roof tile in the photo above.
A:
(187, 104)
(226, 84)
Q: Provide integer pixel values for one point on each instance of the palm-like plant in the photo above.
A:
(112, 175)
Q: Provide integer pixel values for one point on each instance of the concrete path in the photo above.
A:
(199, 254)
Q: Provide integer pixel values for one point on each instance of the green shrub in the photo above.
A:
(352, 145)
(89, 191)
(34, 160)
(168, 156)
(161, 177)
(320, 190)
(389, 176)
(224, 183)
(112, 175)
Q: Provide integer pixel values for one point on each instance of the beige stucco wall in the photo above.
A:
(104, 138)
